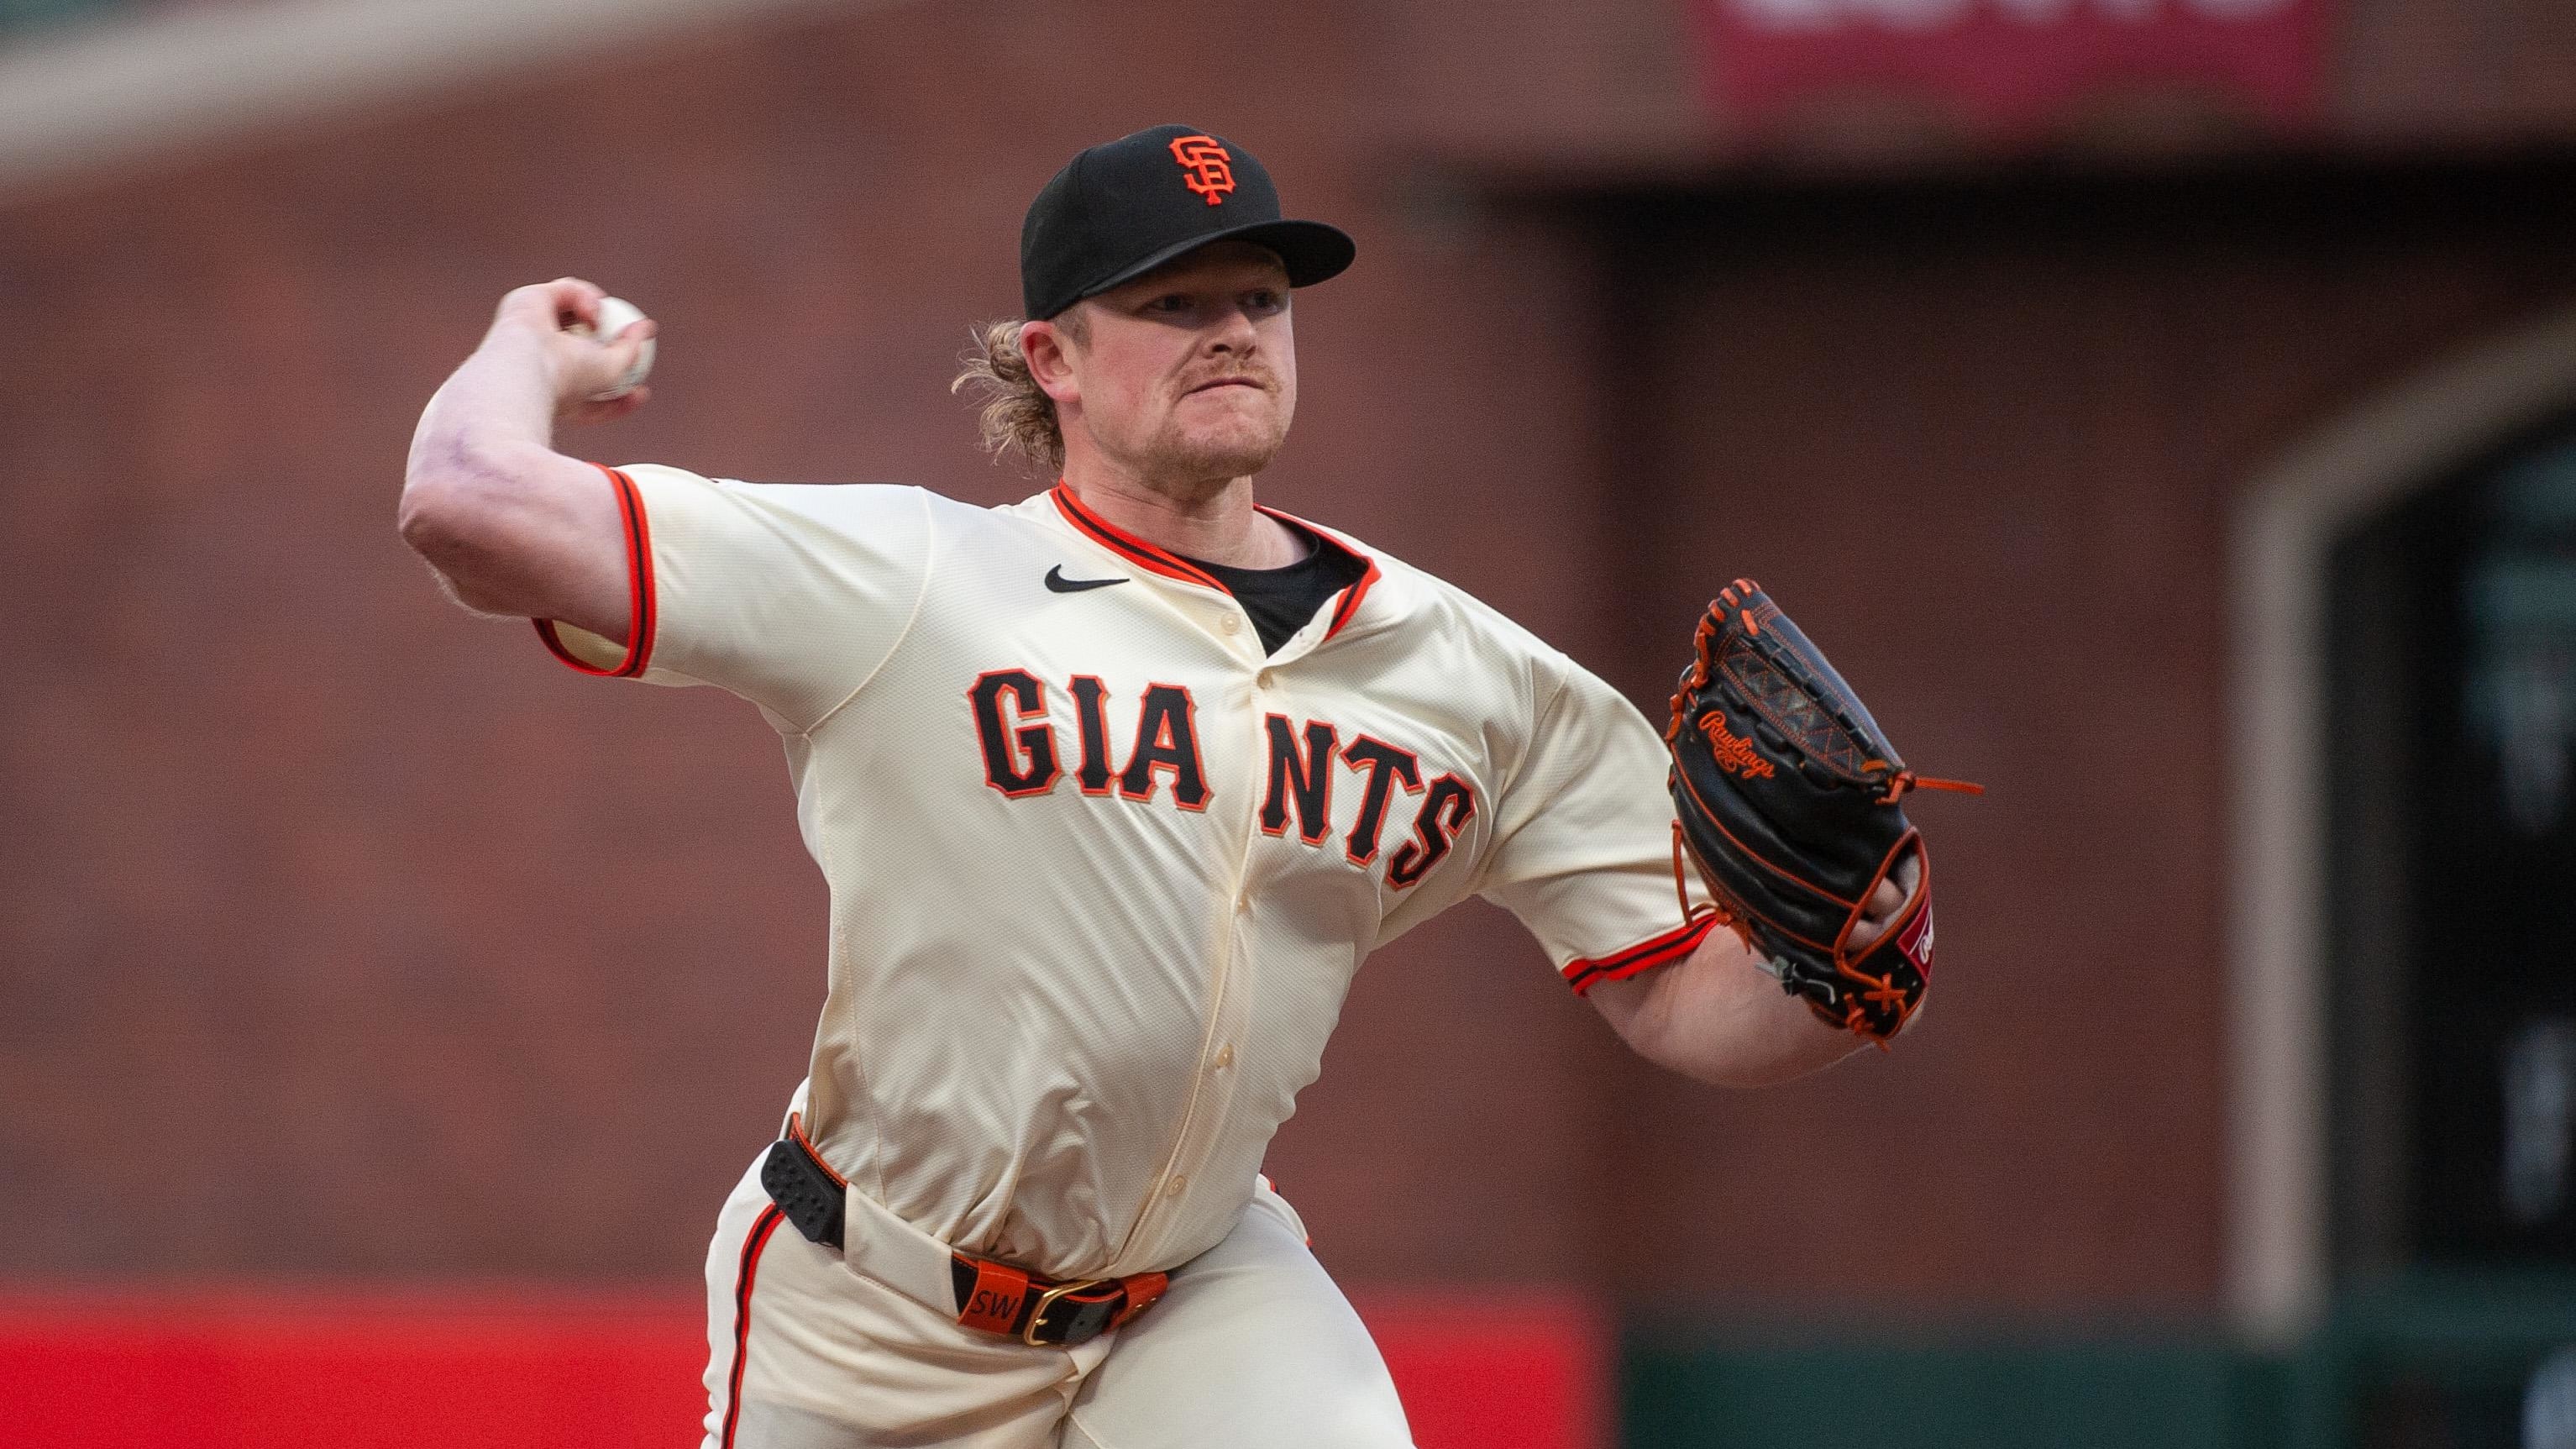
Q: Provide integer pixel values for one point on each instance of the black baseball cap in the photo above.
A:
(1125, 207)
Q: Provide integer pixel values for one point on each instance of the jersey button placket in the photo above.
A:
(1213, 1121)
(1209, 1115)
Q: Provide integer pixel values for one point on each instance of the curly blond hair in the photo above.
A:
(1017, 415)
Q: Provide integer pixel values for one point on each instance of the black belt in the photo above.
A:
(992, 1296)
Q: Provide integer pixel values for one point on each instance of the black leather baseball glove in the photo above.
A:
(1788, 798)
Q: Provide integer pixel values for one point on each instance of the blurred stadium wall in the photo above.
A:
(2072, 381)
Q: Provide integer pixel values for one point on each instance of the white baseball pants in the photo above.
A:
(1253, 1347)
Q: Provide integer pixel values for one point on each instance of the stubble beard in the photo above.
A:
(1178, 461)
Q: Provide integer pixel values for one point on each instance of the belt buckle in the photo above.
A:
(1047, 1300)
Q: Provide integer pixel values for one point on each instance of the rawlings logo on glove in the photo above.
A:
(1794, 823)
(1735, 754)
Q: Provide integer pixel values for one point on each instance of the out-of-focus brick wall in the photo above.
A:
(342, 934)
(1985, 441)
(345, 934)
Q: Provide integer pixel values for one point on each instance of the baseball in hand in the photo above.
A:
(615, 315)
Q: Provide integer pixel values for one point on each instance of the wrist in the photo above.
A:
(509, 392)
(523, 349)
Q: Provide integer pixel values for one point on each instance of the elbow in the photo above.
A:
(436, 519)
(433, 534)
(439, 495)
(452, 516)
(424, 517)
(456, 493)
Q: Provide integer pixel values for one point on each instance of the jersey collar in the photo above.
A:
(1157, 560)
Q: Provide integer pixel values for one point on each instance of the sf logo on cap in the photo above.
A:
(1205, 167)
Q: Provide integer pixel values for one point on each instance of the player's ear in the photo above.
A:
(1049, 348)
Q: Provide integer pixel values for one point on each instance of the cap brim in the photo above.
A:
(1311, 250)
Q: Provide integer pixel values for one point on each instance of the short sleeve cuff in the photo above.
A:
(588, 652)
(1585, 972)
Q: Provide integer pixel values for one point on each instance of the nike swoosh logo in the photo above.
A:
(1057, 583)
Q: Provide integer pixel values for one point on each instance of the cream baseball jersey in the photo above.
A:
(1101, 870)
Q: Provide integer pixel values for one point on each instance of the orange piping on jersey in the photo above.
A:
(1349, 604)
(1171, 565)
(640, 612)
(1661, 950)
(1136, 550)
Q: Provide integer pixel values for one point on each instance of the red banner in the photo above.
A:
(553, 1369)
(2010, 69)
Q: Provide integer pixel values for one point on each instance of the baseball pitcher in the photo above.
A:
(1114, 789)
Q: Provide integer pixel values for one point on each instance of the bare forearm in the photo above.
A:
(489, 425)
(511, 525)
(499, 403)
(1718, 1018)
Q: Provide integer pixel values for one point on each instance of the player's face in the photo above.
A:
(1188, 375)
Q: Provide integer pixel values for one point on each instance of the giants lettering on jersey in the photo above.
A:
(1022, 758)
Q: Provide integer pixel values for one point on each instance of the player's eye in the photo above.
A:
(1265, 301)
(1170, 303)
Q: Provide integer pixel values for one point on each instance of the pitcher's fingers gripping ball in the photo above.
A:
(616, 314)
(1787, 796)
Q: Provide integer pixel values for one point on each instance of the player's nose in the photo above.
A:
(1232, 331)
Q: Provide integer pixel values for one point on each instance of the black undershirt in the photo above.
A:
(1281, 601)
